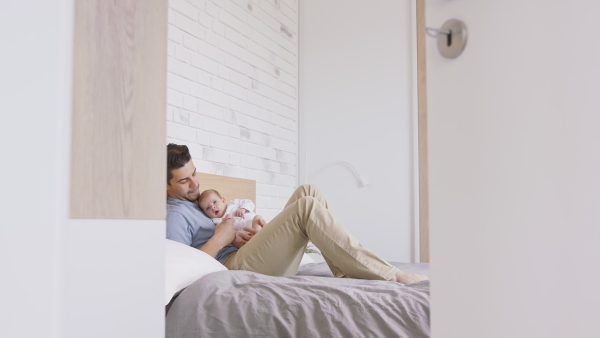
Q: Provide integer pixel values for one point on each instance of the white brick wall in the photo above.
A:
(233, 91)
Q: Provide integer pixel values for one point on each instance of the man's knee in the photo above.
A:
(307, 200)
(308, 189)
(305, 186)
(309, 204)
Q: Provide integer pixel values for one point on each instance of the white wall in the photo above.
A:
(356, 106)
(515, 171)
(232, 91)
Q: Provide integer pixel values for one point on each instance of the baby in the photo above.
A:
(213, 205)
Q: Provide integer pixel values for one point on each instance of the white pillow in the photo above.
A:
(184, 265)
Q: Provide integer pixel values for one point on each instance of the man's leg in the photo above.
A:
(311, 190)
(278, 248)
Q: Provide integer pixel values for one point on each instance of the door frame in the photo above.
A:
(423, 180)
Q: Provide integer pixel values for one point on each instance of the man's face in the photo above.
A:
(213, 205)
(183, 185)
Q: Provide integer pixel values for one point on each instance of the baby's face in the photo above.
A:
(213, 205)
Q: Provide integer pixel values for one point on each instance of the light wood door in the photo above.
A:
(422, 133)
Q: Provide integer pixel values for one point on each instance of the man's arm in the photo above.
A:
(223, 236)
(178, 228)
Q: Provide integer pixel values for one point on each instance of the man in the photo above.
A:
(278, 248)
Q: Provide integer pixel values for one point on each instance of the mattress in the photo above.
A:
(310, 304)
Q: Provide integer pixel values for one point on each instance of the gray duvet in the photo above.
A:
(310, 304)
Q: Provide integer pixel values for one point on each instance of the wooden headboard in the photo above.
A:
(228, 187)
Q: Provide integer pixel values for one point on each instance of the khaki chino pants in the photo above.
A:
(278, 248)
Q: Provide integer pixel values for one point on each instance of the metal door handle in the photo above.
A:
(451, 38)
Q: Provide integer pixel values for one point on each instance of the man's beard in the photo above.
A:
(193, 197)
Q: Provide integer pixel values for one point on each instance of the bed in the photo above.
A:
(216, 302)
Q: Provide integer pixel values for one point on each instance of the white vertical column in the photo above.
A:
(35, 100)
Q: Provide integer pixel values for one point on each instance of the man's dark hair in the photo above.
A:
(177, 157)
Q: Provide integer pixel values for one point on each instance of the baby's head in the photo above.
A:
(212, 204)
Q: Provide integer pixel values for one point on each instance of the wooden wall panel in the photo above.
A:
(118, 164)
(228, 187)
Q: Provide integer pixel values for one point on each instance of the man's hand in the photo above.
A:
(239, 241)
(225, 231)
(223, 236)
(240, 212)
